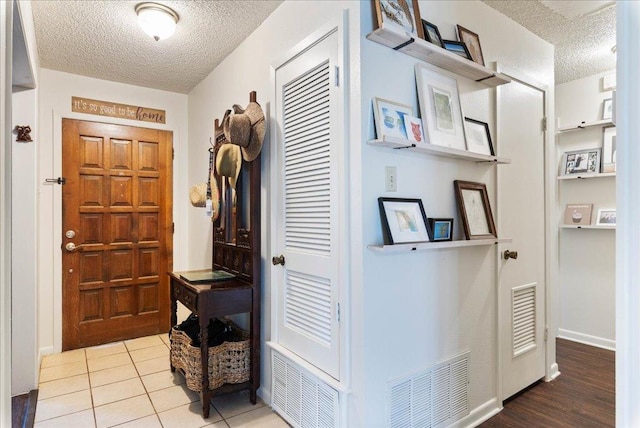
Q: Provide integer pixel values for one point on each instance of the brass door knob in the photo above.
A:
(510, 254)
(279, 260)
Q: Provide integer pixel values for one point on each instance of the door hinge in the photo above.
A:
(173, 228)
(337, 70)
(173, 153)
(338, 311)
(544, 123)
(546, 334)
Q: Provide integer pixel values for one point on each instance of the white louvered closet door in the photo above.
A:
(307, 111)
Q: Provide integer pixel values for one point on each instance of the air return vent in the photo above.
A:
(524, 319)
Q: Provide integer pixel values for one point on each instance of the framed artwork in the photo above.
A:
(413, 128)
(403, 220)
(402, 15)
(578, 214)
(441, 229)
(431, 33)
(606, 217)
(472, 41)
(478, 137)
(475, 210)
(457, 48)
(440, 108)
(607, 108)
(581, 162)
(389, 118)
(609, 149)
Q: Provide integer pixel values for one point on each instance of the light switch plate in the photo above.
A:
(391, 179)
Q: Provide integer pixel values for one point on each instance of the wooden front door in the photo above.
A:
(117, 232)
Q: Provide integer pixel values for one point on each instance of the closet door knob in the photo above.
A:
(279, 260)
(510, 254)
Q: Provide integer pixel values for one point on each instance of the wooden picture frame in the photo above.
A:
(403, 221)
(472, 41)
(478, 137)
(475, 210)
(389, 118)
(402, 15)
(458, 48)
(581, 162)
(606, 217)
(431, 33)
(441, 229)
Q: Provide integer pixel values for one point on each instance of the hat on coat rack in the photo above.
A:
(215, 197)
(246, 128)
(198, 195)
(218, 131)
(229, 162)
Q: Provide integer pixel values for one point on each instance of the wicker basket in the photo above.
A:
(229, 362)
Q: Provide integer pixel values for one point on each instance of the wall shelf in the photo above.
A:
(584, 125)
(419, 246)
(587, 226)
(433, 149)
(585, 176)
(437, 56)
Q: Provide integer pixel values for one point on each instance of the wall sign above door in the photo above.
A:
(123, 111)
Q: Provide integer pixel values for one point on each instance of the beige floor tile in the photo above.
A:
(63, 386)
(114, 374)
(105, 350)
(123, 411)
(175, 396)
(146, 422)
(62, 405)
(143, 342)
(152, 366)
(231, 405)
(108, 362)
(150, 353)
(263, 417)
(62, 371)
(188, 416)
(117, 391)
(63, 358)
(82, 419)
(165, 338)
(161, 380)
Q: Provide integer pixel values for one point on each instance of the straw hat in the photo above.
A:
(215, 197)
(229, 162)
(246, 128)
(198, 195)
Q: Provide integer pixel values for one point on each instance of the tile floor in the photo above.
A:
(129, 384)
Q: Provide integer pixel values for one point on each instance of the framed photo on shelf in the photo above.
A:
(478, 137)
(389, 118)
(581, 162)
(606, 217)
(402, 15)
(413, 129)
(609, 149)
(607, 109)
(441, 229)
(431, 33)
(472, 41)
(458, 48)
(403, 221)
(578, 214)
(475, 210)
(440, 108)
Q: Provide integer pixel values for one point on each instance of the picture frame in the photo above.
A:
(606, 217)
(441, 229)
(472, 42)
(413, 129)
(394, 14)
(581, 162)
(607, 109)
(478, 137)
(403, 220)
(475, 210)
(609, 149)
(458, 48)
(431, 33)
(578, 214)
(440, 108)
(389, 118)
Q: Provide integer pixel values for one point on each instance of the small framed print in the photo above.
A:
(478, 137)
(578, 214)
(458, 48)
(475, 210)
(402, 15)
(609, 149)
(389, 118)
(607, 109)
(403, 220)
(472, 41)
(606, 217)
(413, 128)
(441, 229)
(431, 33)
(581, 162)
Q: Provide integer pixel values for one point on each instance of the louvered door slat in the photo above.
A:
(524, 319)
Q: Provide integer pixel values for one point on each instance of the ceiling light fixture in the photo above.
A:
(157, 20)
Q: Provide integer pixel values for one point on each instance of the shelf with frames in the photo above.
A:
(584, 125)
(586, 176)
(437, 56)
(587, 226)
(421, 246)
(433, 149)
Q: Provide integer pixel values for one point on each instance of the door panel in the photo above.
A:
(115, 285)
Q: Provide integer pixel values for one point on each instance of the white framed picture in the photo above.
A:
(389, 117)
(606, 217)
(440, 108)
(609, 149)
(607, 108)
(413, 128)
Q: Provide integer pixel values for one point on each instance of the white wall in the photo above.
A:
(56, 90)
(586, 257)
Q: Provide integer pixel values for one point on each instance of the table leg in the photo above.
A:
(205, 394)
(174, 317)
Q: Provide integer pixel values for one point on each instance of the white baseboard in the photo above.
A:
(553, 373)
(42, 352)
(586, 339)
(265, 394)
(479, 415)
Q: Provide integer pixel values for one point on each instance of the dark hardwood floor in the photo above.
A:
(23, 409)
(582, 396)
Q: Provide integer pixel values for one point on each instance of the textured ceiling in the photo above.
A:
(102, 39)
(583, 32)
